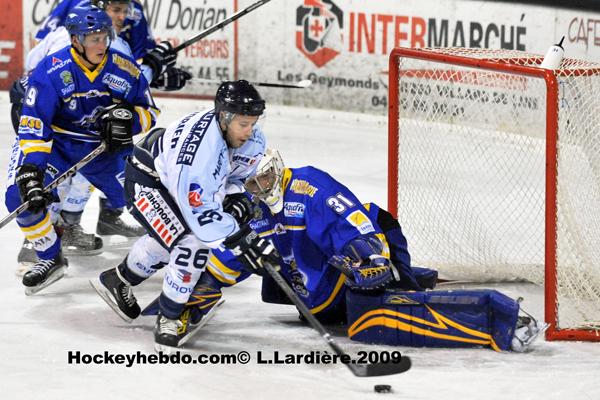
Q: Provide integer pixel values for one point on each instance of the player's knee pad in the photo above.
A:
(438, 318)
(146, 257)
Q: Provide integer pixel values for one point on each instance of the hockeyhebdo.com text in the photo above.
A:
(242, 357)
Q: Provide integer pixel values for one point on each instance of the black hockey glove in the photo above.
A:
(161, 58)
(173, 79)
(239, 206)
(116, 127)
(30, 180)
(251, 250)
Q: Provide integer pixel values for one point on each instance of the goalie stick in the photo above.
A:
(52, 185)
(299, 85)
(360, 370)
(220, 25)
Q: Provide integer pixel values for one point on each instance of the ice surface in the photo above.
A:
(38, 332)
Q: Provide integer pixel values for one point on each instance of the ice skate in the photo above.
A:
(26, 259)
(167, 333)
(44, 273)
(527, 331)
(117, 293)
(111, 223)
(76, 242)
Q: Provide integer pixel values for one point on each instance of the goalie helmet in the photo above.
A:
(267, 183)
(238, 97)
(85, 20)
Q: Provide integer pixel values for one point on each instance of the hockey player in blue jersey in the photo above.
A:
(349, 262)
(175, 182)
(77, 191)
(76, 97)
(133, 27)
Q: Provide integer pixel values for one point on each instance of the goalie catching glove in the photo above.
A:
(30, 180)
(252, 251)
(116, 126)
(363, 264)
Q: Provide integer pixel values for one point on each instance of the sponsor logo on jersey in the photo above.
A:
(244, 159)
(195, 195)
(31, 126)
(258, 224)
(59, 65)
(68, 90)
(126, 65)
(116, 83)
(192, 141)
(51, 170)
(159, 216)
(184, 276)
(173, 285)
(359, 220)
(300, 186)
(219, 165)
(319, 26)
(293, 209)
(66, 77)
(56, 60)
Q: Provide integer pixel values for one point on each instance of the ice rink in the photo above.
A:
(38, 332)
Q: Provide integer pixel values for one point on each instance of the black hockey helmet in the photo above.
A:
(239, 97)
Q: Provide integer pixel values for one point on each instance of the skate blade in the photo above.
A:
(200, 324)
(105, 294)
(542, 328)
(58, 274)
(73, 252)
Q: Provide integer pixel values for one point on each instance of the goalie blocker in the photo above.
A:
(440, 318)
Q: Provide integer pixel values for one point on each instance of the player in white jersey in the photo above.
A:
(76, 192)
(175, 185)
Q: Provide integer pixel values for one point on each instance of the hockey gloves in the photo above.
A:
(363, 264)
(172, 79)
(116, 126)
(161, 58)
(251, 250)
(239, 206)
(30, 180)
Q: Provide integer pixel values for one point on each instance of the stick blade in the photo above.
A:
(381, 369)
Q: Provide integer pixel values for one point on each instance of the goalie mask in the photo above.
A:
(267, 183)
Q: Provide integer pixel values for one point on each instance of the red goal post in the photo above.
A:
(494, 173)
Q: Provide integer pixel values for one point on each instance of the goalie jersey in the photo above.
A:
(64, 100)
(320, 216)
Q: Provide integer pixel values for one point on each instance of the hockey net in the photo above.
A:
(494, 173)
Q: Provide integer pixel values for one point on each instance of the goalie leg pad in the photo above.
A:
(440, 318)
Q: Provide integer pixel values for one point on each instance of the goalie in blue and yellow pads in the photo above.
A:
(350, 262)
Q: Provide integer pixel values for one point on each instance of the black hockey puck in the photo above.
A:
(383, 388)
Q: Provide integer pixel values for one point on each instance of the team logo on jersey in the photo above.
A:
(359, 220)
(66, 77)
(319, 26)
(195, 195)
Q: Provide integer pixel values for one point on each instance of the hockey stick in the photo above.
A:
(220, 25)
(360, 370)
(299, 85)
(52, 185)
